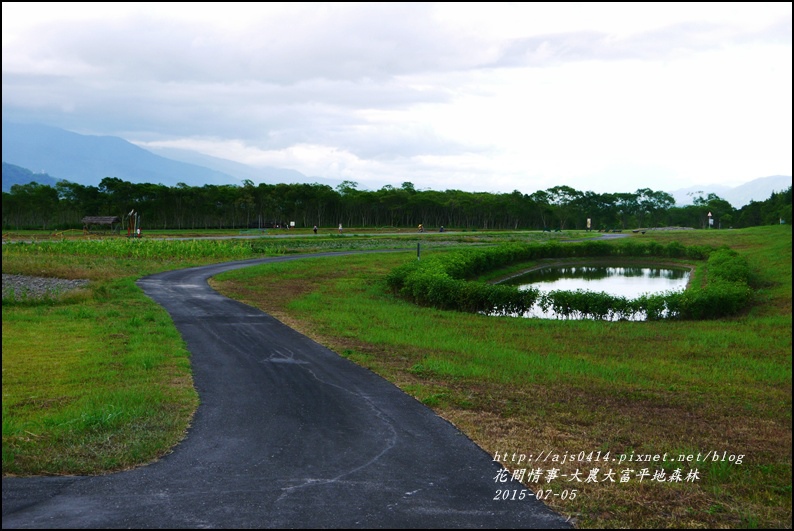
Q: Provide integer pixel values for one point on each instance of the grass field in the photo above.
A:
(513, 385)
(92, 383)
(520, 386)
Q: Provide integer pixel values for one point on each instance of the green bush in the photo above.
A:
(441, 282)
(727, 265)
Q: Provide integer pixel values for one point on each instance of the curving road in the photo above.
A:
(288, 434)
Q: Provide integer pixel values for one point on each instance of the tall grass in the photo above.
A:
(137, 248)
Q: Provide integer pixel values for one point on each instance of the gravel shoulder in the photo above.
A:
(26, 287)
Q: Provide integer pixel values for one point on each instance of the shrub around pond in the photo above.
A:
(441, 282)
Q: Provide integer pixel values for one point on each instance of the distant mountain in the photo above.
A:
(738, 196)
(13, 174)
(264, 174)
(88, 159)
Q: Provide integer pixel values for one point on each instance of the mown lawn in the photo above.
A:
(76, 370)
(97, 381)
(528, 386)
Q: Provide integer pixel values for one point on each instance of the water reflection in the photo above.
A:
(620, 281)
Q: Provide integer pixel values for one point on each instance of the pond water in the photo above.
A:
(623, 281)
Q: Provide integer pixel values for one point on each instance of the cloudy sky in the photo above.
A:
(609, 97)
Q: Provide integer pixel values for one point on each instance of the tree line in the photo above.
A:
(63, 206)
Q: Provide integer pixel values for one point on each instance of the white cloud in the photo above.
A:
(475, 96)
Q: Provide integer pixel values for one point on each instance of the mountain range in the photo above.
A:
(86, 159)
(47, 154)
(13, 174)
(738, 196)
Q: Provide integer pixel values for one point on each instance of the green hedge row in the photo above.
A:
(441, 282)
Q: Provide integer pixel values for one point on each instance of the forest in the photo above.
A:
(62, 206)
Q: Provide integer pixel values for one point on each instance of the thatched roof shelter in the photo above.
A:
(112, 223)
(101, 220)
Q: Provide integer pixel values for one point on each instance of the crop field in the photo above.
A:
(708, 402)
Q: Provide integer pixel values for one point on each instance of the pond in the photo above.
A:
(618, 280)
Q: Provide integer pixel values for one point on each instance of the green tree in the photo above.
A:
(33, 205)
(714, 205)
(562, 199)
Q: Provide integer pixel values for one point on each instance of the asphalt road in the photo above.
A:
(288, 434)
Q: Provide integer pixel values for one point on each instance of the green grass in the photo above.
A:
(76, 404)
(525, 385)
(99, 379)
(93, 383)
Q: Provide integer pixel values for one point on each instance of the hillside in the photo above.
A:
(87, 159)
(48, 154)
(738, 196)
(266, 174)
(13, 174)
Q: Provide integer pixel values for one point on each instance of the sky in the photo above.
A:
(608, 97)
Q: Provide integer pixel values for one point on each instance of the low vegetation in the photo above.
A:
(443, 282)
(527, 386)
(94, 381)
(98, 379)
(520, 386)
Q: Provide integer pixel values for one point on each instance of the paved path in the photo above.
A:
(288, 434)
